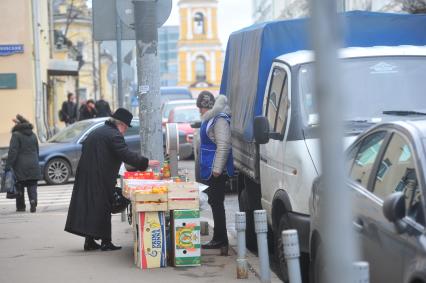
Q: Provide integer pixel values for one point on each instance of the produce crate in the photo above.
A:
(151, 240)
(142, 201)
(183, 196)
(185, 235)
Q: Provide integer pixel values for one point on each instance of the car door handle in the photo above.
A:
(263, 159)
(358, 224)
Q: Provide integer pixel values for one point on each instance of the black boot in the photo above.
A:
(109, 246)
(213, 244)
(90, 244)
(33, 206)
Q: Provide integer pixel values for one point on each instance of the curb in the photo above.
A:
(252, 259)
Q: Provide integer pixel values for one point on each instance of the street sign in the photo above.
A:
(9, 49)
(125, 10)
(104, 18)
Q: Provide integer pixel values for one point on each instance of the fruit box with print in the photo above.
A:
(185, 237)
(150, 239)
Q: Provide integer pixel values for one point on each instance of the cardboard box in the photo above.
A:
(183, 196)
(186, 238)
(151, 240)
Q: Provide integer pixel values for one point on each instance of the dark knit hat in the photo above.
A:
(123, 115)
(205, 100)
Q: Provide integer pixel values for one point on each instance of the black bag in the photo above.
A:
(119, 202)
(61, 116)
(8, 184)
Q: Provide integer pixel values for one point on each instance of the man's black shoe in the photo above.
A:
(214, 245)
(91, 245)
(109, 247)
(21, 209)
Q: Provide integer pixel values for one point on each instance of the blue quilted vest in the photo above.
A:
(208, 149)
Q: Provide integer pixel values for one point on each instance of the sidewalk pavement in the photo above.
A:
(34, 248)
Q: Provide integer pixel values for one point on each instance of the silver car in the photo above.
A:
(387, 169)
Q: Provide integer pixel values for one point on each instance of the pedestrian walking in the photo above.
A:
(103, 151)
(23, 159)
(68, 112)
(216, 162)
(88, 110)
(102, 108)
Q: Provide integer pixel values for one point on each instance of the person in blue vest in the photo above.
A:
(216, 162)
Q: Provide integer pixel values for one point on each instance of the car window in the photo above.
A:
(186, 115)
(283, 109)
(72, 132)
(397, 173)
(134, 130)
(365, 156)
(277, 83)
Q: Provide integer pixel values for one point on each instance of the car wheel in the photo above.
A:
(279, 253)
(251, 240)
(57, 171)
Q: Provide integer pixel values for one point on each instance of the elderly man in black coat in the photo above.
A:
(103, 152)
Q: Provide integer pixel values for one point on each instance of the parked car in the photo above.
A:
(184, 116)
(174, 93)
(59, 156)
(387, 169)
(170, 105)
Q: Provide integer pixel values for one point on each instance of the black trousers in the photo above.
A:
(216, 194)
(31, 191)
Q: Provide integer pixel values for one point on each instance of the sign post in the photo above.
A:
(146, 21)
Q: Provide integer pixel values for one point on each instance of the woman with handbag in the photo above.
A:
(23, 159)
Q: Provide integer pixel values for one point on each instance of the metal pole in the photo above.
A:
(335, 216)
(261, 228)
(240, 226)
(292, 254)
(118, 42)
(361, 272)
(123, 213)
(148, 79)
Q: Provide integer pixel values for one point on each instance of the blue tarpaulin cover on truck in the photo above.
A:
(250, 53)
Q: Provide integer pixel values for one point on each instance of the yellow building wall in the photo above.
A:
(18, 30)
(206, 45)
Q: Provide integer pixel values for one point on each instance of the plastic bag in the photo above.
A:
(204, 198)
(8, 184)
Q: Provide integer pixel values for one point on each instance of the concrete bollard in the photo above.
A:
(361, 272)
(292, 254)
(261, 228)
(240, 226)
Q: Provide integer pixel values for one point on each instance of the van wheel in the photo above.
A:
(251, 240)
(317, 266)
(279, 253)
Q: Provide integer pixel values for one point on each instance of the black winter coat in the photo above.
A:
(23, 153)
(103, 152)
(69, 110)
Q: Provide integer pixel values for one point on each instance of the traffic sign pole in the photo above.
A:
(148, 70)
(119, 73)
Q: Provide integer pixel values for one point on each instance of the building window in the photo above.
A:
(200, 69)
(199, 23)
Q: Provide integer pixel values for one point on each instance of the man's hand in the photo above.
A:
(154, 163)
(215, 174)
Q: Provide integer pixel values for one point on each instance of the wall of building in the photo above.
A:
(22, 99)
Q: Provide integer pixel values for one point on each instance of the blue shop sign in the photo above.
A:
(9, 49)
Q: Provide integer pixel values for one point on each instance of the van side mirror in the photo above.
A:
(394, 210)
(261, 130)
